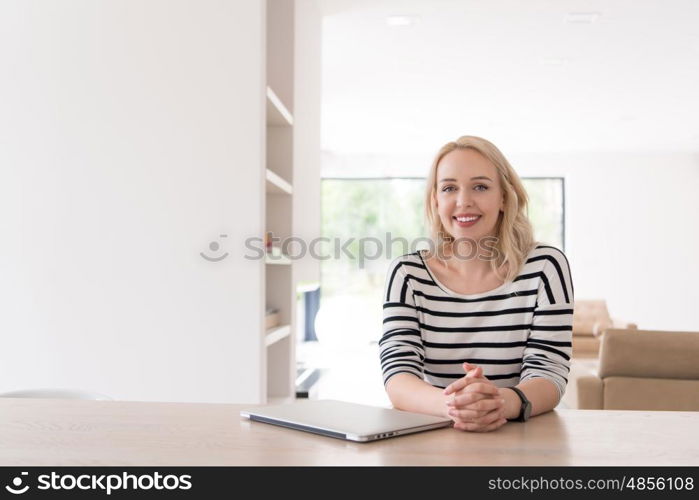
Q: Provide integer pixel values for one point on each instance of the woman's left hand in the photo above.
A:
(475, 403)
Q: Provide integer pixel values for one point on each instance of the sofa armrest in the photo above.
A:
(623, 325)
(584, 390)
(590, 393)
(616, 324)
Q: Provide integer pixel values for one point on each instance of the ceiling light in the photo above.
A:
(582, 17)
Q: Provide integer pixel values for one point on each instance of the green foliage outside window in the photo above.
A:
(368, 212)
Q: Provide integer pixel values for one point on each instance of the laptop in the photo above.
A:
(339, 419)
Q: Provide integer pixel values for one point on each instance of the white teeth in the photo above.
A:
(467, 219)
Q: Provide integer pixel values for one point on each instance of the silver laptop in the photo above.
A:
(343, 420)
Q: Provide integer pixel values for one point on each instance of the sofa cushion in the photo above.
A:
(650, 394)
(649, 354)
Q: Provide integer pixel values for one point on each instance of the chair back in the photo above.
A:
(56, 394)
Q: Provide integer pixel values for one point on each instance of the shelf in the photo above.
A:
(280, 173)
(277, 114)
(279, 260)
(276, 334)
(277, 185)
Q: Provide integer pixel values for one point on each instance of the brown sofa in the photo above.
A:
(638, 370)
(590, 320)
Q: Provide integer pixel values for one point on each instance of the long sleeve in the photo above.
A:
(400, 347)
(549, 345)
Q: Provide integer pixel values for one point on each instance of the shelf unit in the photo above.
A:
(277, 113)
(276, 334)
(279, 360)
(276, 185)
(277, 260)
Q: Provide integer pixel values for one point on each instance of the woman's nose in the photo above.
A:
(464, 199)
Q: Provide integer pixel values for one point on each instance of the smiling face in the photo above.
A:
(468, 194)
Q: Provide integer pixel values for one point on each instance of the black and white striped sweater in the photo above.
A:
(515, 332)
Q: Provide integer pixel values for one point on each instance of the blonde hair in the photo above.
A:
(515, 236)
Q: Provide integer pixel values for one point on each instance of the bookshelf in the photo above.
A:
(279, 365)
(276, 334)
(277, 260)
(276, 185)
(277, 113)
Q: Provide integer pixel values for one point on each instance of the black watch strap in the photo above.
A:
(525, 407)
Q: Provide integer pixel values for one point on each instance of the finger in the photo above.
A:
(487, 404)
(495, 425)
(463, 382)
(482, 419)
(466, 415)
(457, 385)
(498, 424)
(489, 418)
(468, 398)
(467, 426)
(463, 399)
(477, 385)
(468, 366)
(473, 371)
(470, 395)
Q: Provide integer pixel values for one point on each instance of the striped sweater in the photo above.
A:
(515, 332)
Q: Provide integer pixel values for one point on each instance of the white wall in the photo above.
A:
(631, 224)
(307, 78)
(130, 138)
(632, 235)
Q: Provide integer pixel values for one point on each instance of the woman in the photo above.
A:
(480, 330)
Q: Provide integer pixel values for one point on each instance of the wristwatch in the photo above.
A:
(526, 408)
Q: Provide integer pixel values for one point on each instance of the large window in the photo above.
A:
(371, 221)
(546, 209)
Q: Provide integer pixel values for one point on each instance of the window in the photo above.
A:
(369, 222)
(372, 221)
(546, 209)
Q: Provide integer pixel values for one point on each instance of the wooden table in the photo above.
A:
(65, 432)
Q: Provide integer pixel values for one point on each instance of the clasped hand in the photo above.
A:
(474, 403)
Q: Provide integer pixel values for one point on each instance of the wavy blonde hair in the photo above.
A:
(515, 236)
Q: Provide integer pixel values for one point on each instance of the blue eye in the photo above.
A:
(481, 187)
(447, 189)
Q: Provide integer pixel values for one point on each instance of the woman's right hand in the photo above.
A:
(474, 402)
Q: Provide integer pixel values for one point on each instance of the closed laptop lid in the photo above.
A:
(344, 420)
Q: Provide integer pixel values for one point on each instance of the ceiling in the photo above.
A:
(532, 76)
